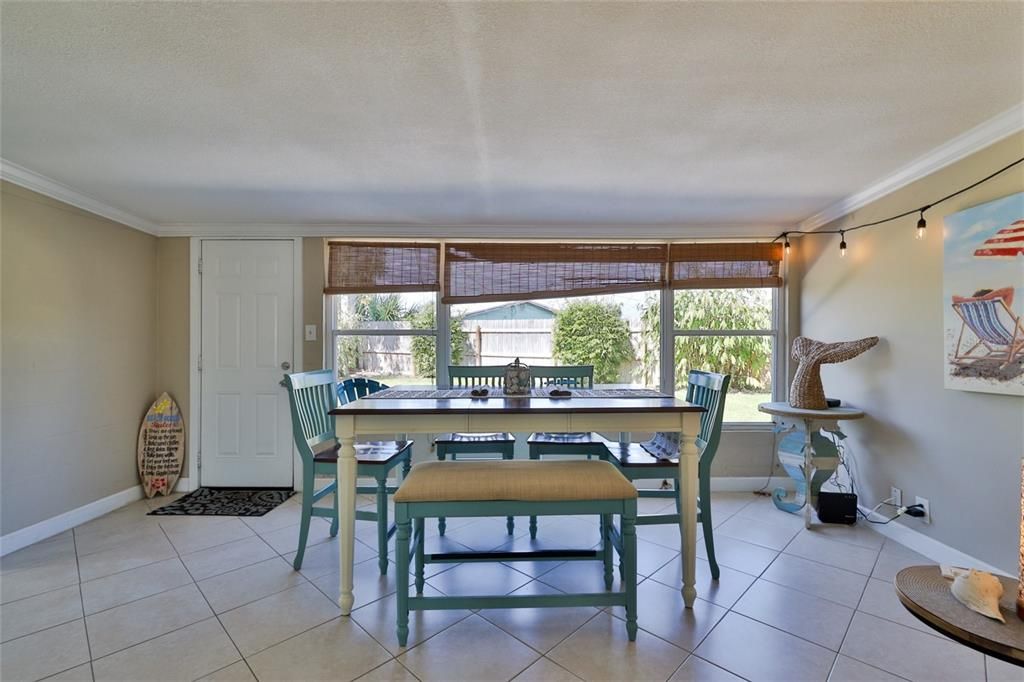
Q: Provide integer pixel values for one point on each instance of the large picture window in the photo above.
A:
(718, 303)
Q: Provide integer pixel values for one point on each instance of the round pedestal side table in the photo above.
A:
(925, 593)
(807, 456)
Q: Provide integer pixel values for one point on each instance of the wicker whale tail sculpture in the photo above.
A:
(807, 391)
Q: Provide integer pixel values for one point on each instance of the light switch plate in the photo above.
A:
(310, 332)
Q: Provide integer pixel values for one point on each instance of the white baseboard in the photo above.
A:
(69, 519)
(938, 552)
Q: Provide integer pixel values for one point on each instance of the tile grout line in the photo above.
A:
(81, 600)
(209, 606)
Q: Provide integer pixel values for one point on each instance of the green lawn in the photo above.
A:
(742, 407)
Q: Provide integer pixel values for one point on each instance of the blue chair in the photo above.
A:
(455, 444)
(311, 395)
(658, 458)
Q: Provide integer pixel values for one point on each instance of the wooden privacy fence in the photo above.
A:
(488, 342)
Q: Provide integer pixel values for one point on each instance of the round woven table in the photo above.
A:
(925, 593)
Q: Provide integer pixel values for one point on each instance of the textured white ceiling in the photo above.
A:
(504, 113)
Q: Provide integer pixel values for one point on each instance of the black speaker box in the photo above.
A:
(837, 508)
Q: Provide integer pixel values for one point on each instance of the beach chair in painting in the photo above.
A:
(998, 331)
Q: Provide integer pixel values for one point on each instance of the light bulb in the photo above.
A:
(922, 225)
(786, 245)
(842, 245)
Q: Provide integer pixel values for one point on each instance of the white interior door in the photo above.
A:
(247, 344)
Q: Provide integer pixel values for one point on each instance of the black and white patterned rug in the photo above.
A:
(225, 502)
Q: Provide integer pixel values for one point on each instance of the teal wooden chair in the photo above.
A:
(581, 443)
(658, 458)
(311, 395)
(454, 444)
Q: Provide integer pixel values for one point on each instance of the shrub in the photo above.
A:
(592, 333)
(746, 358)
(423, 347)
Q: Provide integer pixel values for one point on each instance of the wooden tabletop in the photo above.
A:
(780, 409)
(515, 406)
(926, 594)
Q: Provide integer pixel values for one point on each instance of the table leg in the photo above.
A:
(687, 491)
(808, 472)
(345, 430)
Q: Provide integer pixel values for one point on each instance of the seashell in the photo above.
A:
(979, 591)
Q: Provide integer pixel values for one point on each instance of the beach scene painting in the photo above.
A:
(983, 297)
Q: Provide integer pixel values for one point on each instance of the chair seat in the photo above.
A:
(634, 455)
(531, 480)
(577, 438)
(370, 452)
(454, 438)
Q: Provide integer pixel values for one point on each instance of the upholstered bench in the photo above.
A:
(509, 488)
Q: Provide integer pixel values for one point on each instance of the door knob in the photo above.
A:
(286, 365)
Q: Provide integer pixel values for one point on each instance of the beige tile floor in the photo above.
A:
(135, 597)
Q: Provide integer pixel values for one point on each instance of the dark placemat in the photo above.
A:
(225, 502)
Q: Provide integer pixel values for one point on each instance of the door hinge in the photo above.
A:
(200, 265)
(199, 365)
(199, 460)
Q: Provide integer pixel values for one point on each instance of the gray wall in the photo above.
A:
(79, 355)
(960, 450)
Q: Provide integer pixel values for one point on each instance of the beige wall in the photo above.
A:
(960, 450)
(79, 355)
(172, 307)
(313, 301)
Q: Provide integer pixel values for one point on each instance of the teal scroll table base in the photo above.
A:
(791, 456)
(805, 453)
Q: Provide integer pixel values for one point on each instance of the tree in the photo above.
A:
(424, 354)
(365, 308)
(593, 333)
(746, 358)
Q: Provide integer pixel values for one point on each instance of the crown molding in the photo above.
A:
(23, 177)
(504, 232)
(961, 146)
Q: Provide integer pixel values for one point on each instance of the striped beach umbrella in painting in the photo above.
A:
(1006, 243)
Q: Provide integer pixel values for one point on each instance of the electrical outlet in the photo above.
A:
(927, 518)
(896, 496)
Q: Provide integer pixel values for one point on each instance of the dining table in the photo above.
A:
(429, 410)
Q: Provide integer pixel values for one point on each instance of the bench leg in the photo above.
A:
(442, 525)
(534, 454)
(606, 549)
(402, 579)
(418, 542)
(382, 523)
(629, 559)
(510, 521)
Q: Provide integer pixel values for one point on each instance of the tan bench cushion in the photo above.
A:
(533, 480)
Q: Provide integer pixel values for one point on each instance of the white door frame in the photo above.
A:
(195, 344)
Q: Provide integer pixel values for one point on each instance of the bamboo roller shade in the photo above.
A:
(725, 266)
(368, 267)
(491, 271)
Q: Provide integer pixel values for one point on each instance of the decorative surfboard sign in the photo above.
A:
(161, 446)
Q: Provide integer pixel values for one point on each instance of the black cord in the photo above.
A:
(921, 209)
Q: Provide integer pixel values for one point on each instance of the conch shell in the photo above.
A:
(979, 591)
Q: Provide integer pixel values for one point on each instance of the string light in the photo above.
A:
(922, 224)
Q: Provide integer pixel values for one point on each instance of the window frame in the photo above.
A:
(331, 339)
(666, 294)
(668, 345)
